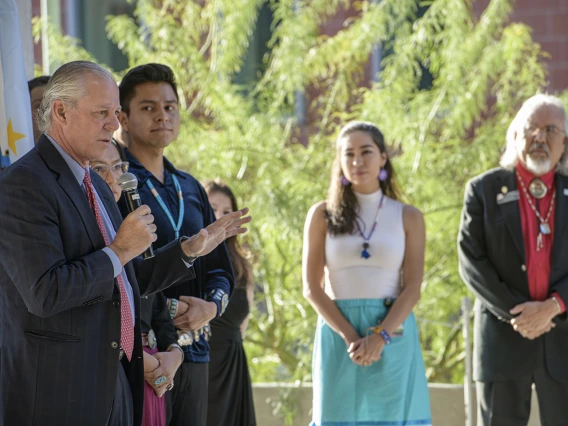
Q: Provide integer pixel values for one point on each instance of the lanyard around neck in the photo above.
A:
(181, 209)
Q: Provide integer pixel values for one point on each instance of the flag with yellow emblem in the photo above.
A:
(16, 131)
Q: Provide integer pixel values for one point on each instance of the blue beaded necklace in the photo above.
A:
(365, 253)
(175, 226)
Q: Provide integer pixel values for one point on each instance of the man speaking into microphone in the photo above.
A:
(70, 275)
(128, 183)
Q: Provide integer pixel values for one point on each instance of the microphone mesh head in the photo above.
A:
(128, 182)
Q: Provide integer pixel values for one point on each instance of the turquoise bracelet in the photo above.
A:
(173, 308)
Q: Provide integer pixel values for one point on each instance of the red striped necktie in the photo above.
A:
(126, 325)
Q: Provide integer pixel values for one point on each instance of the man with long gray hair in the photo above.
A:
(70, 275)
(513, 254)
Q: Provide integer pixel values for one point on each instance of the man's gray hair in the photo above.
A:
(67, 84)
(510, 156)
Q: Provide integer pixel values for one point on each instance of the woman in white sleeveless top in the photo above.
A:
(363, 263)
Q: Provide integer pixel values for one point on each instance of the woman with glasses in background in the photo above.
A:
(162, 354)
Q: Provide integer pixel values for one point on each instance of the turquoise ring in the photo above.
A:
(160, 380)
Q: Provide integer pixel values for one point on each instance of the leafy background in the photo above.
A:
(449, 86)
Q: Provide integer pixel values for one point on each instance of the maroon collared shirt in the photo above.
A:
(537, 260)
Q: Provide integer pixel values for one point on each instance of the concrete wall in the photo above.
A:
(446, 402)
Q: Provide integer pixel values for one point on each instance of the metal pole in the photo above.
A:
(467, 393)
(44, 38)
(299, 94)
(376, 58)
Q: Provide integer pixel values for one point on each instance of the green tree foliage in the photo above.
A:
(444, 134)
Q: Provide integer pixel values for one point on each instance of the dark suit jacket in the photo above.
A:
(60, 316)
(492, 256)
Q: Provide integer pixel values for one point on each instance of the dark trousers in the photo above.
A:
(122, 412)
(187, 401)
(508, 403)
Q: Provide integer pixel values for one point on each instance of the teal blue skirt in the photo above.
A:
(391, 392)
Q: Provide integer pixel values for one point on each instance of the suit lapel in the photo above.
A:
(71, 187)
(512, 215)
(560, 219)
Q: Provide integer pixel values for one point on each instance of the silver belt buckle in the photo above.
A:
(185, 337)
(207, 331)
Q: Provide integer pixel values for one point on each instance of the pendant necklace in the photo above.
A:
(537, 188)
(544, 227)
(175, 226)
(365, 253)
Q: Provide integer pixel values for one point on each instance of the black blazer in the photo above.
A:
(492, 257)
(59, 301)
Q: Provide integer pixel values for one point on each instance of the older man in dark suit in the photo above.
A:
(513, 254)
(70, 279)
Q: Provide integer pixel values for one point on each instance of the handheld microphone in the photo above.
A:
(129, 185)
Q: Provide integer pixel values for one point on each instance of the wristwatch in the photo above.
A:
(187, 259)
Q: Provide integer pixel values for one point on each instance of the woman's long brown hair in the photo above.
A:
(341, 203)
(239, 256)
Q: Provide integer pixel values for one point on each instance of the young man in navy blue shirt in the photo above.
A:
(150, 117)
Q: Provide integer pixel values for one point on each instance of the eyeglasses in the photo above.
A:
(551, 132)
(118, 169)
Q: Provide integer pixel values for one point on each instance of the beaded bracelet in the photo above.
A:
(383, 333)
(385, 337)
(173, 308)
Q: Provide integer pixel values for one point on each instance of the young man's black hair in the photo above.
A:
(148, 73)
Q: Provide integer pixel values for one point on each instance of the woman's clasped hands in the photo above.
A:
(366, 350)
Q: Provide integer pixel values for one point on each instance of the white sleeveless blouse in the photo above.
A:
(350, 276)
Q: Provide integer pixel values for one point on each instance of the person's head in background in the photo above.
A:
(222, 202)
(36, 88)
(150, 110)
(112, 166)
(121, 136)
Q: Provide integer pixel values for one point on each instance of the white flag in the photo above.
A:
(16, 131)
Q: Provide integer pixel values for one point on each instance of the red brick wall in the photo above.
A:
(340, 21)
(549, 21)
